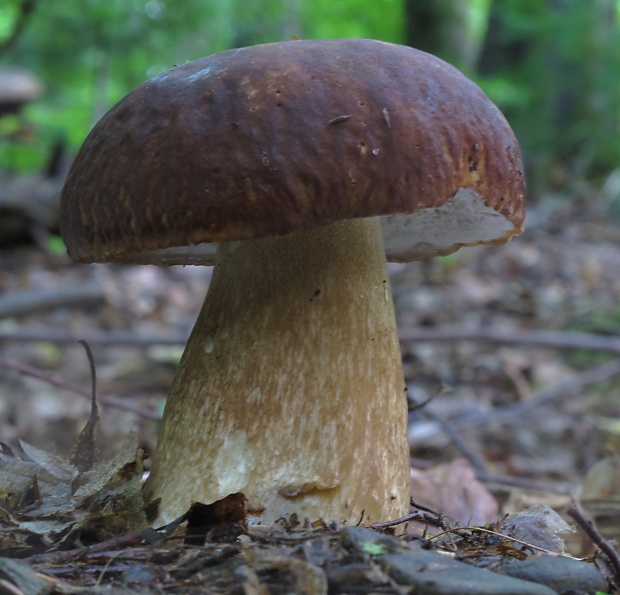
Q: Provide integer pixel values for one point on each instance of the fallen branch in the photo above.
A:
(474, 458)
(99, 338)
(129, 540)
(21, 303)
(544, 338)
(557, 339)
(77, 389)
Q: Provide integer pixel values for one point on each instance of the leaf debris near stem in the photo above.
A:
(84, 451)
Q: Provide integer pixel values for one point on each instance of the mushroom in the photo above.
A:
(17, 88)
(294, 168)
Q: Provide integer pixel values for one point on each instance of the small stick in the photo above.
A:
(76, 388)
(93, 374)
(416, 515)
(423, 513)
(557, 339)
(100, 338)
(475, 460)
(544, 338)
(84, 451)
(22, 303)
(576, 512)
(120, 542)
(525, 483)
(460, 530)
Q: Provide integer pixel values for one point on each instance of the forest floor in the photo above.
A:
(513, 417)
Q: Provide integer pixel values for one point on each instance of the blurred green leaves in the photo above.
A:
(90, 53)
(554, 67)
(557, 79)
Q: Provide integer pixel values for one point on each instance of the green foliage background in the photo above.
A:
(560, 90)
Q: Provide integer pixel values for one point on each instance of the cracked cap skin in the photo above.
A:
(281, 138)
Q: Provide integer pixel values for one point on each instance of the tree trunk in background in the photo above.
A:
(559, 99)
(440, 27)
(502, 49)
(597, 98)
(262, 22)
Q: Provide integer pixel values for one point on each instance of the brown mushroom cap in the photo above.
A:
(281, 138)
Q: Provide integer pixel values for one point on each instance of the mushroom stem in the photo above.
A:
(291, 387)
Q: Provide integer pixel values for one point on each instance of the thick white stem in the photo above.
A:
(291, 387)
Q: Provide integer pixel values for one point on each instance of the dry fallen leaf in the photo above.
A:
(48, 503)
(454, 491)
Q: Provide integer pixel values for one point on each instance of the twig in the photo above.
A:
(106, 566)
(21, 303)
(572, 386)
(93, 375)
(99, 338)
(460, 530)
(526, 483)
(84, 451)
(76, 388)
(422, 514)
(415, 515)
(475, 460)
(576, 513)
(120, 542)
(544, 338)
(557, 339)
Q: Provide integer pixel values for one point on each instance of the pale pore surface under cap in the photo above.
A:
(463, 220)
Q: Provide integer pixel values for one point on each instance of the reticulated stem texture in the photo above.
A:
(291, 387)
